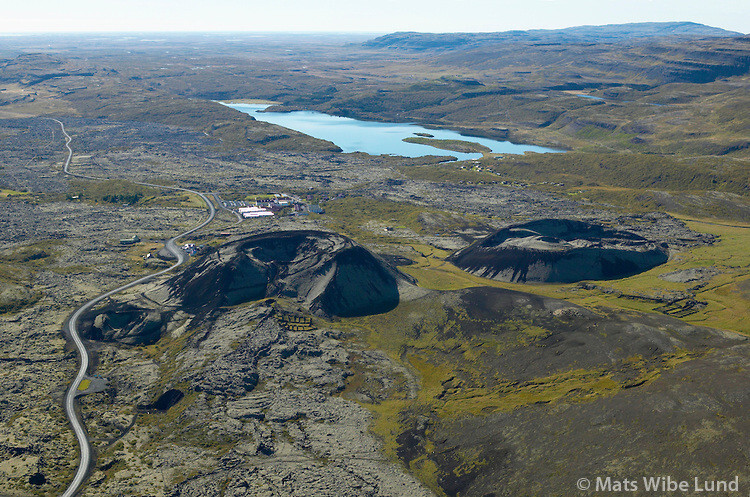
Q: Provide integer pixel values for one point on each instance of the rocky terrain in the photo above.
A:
(272, 400)
(38, 449)
(328, 274)
(60, 264)
(521, 393)
(263, 389)
(698, 274)
(560, 251)
(261, 414)
(344, 353)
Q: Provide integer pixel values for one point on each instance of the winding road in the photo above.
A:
(220, 203)
(71, 326)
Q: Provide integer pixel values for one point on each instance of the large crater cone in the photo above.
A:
(560, 251)
(328, 273)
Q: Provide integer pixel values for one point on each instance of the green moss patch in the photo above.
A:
(467, 147)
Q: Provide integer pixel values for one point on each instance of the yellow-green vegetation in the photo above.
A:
(74, 269)
(630, 170)
(574, 386)
(245, 132)
(172, 416)
(711, 122)
(10, 273)
(175, 199)
(577, 385)
(349, 216)
(117, 191)
(727, 301)
(172, 424)
(453, 383)
(685, 203)
(165, 351)
(85, 384)
(636, 172)
(691, 186)
(114, 191)
(17, 267)
(432, 270)
(14, 296)
(425, 469)
(454, 356)
(11, 193)
(33, 254)
(135, 254)
(467, 147)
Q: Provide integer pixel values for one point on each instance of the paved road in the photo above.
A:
(71, 326)
(220, 203)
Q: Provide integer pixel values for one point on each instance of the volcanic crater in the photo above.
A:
(560, 251)
(327, 273)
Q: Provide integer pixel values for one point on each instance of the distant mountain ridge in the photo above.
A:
(609, 33)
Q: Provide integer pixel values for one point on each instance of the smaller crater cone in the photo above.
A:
(560, 251)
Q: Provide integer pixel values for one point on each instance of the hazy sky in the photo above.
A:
(357, 15)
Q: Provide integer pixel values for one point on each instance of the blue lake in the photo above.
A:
(376, 138)
(590, 97)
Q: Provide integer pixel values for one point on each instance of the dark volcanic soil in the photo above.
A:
(329, 273)
(560, 251)
(125, 323)
(165, 401)
(537, 392)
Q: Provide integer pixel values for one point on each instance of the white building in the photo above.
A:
(254, 211)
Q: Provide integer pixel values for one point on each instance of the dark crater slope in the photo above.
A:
(329, 273)
(124, 322)
(560, 251)
(532, 386)
(165, 401)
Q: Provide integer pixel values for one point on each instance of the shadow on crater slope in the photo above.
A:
(327, 273)
(124, 322)
(560, 251)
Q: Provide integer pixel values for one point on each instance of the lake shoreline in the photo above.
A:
(380, 137)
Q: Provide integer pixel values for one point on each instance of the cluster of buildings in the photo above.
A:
(254, 211)
(191, 249)
(269, 206)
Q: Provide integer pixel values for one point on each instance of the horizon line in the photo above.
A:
(330, 32)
